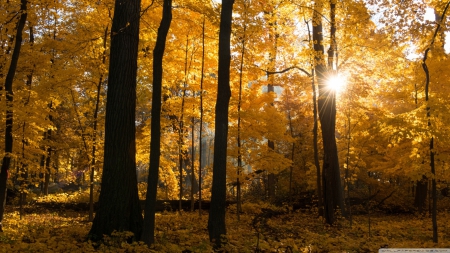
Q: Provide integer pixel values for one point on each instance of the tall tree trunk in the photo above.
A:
(320, 70)
(181, 152)
(316, 149)
(94, 134)
(315, 136)
(193, 183)
(9, 110)
(148, 233)
(119, 207)
(273, 39)
(216, 219)
(338, 191)
(45, 164)
(239, 155)
(432, 164)
(332, 193)
(200, 144)
(23, 170)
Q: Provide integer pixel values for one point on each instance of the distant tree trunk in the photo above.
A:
(316, 150)
(9, 110)
(421, 194)
(148, 234)
(291, 168)
(433, 193)
(45, 162)
(193, 183)
(273, 40)
(94, 134)
(200, 139)
(239, 155)
(23, 170)
(119, 206)
(216, 220)
(48, 155)
(181, 152)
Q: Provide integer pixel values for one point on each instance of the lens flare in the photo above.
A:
(336, 83)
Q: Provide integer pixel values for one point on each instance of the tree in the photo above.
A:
(428, 110)
(9, 111)
(155, 142)
(332, 194)
(119, 207)
(216, 219)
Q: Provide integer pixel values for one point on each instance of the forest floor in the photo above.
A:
(260, 229)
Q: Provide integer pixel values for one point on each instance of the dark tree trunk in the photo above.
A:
(148, 234)
(48, 136)
(432, 151)
(181, 151)
(433, 193)
(333, 195)
(48, 154)
(338, 191)
(421, 194)
(239, 145)
(315, 137)
(316, 151)
(94, 133)
(193, 180)
(119, 207)
(216, 220)
(200, 145)
(9, 110)
(320, 71)
(23, 167)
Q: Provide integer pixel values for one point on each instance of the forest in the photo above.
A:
(224, 126)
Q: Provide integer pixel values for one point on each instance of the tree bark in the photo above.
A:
(216, 220)
(338, 191)
(148, 234)
(119, 207)
(9, 110)
(332, 190)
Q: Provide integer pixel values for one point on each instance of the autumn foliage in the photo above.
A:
(387, 139)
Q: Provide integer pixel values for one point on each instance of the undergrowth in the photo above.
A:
(257, 231)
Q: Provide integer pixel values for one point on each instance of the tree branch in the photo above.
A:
(286, 70)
